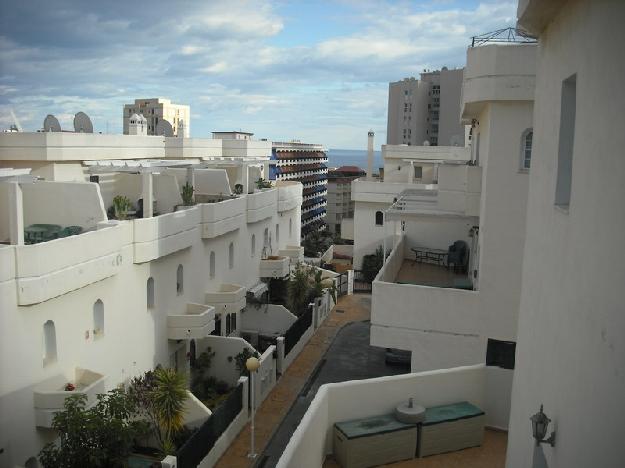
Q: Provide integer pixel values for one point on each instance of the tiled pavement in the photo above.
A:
(277, 404)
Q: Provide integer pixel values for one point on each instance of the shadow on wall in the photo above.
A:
(539, 460)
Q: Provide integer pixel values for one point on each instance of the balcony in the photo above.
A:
(162, 235)
(50, 269)
(261, 204)
(197, 321)
(294, 252)
(227, 298)
(274, 267)
(49, 396)
(222, 217)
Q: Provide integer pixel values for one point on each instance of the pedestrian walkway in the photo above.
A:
(277, 404)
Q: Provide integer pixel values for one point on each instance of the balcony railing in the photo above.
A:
(196, 321)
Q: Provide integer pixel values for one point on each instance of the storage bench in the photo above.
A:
(373, 441)
(451, 427)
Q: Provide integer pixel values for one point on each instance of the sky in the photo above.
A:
(316, 71)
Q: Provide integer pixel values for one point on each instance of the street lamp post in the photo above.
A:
(252, 365)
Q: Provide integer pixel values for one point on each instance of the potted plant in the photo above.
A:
(238, 189)
(121, 206)
(262, 184)
(187, 194)
(70, 387)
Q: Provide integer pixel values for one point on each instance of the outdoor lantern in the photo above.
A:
(540, 422)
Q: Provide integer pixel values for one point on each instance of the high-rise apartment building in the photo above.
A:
(156, 110)
(340, 203)
(305, 163)
(426, 110)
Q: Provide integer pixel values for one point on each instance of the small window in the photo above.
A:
(98, 319)
(277, 234)
(266, 237)
(212, 265)
(233, 322)
(379, 218)
(566, 142)
(179, 280)
(49, 343)
(418, 172)
(228, 324)
(253, 247)
(231, 256)
(290, 227)
(150, 292)
(500, 353)
(526, 149)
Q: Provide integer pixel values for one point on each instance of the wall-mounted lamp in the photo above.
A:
(540, 422)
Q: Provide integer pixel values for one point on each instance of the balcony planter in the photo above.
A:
(196, 321)
(274, 267)
(49, 396)
(227, 298)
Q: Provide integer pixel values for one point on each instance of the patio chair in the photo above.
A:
(458, 256)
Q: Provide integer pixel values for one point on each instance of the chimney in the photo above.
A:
(370, 155)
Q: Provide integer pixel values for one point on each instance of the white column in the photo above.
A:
(411, 173)
(16, 214)
(147, 195)
(191, 176)
(370, 154)
(245, 179)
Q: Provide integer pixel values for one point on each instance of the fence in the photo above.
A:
(295, 332)
(342, 284)
(201, 442)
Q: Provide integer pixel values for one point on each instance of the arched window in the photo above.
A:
(290, 227)
(179, 280)
(253, 245)
(277, 234)
(49, 343)
(150, 292)
(233, 321)
(227, 324)
(212, 265)
(266, 237)
(231, 256)
(526, 149)
(98, 319)
(379, 218)
(192, 351)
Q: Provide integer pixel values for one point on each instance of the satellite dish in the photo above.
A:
(51, 124)
(82, 123)
(163, 128)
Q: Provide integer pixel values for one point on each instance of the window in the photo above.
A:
(98, 319)
(150, 292)
(290, 227)
(253, 247)
(231, 256)
(277, 234)
(233, 322)
(212, 265)
(566, 143)
(500, 353)
(228, 329)
(526, 149)
(379, 218)
(418, 172)
(266, 238)
(179, 280)
(49, 343)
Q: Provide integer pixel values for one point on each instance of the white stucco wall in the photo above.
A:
(571, 346)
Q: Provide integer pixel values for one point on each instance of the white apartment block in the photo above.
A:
(157, 110)
(548, 275)
(426, 110)
(118, 298)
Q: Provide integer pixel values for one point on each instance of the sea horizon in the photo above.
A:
(338, 157)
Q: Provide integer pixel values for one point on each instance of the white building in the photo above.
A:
(426, 109)
(340, 203)
(119, 297)
(571, 340)
(157, 110)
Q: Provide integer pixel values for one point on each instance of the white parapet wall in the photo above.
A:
(266, 319)
(336, 402)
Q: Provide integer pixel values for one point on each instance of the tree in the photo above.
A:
(371, 264)
(240, 360)
(101, 436)
(298, 289)
(160, 396)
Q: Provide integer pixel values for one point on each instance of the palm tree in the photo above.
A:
(168, 398)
